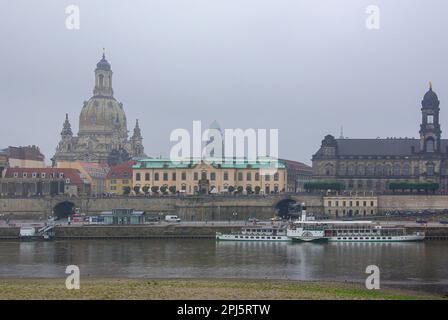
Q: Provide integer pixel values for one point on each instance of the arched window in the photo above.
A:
(351, 170)
(101, 80)
(397, 169)
(406, 169)
(430, 145)
(416, 170)
(342, 169)
(369, 170)
(361, 170)
(378, 170)
(387, 170)
(328, 169)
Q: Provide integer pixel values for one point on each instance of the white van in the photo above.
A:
(27, 232)
(172, 218)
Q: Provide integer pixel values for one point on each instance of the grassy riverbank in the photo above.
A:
(194, 289)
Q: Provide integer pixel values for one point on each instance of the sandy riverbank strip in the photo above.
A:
(202, 289)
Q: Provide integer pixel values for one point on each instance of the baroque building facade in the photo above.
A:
(103, 134)
(371, 164)
(211, 175)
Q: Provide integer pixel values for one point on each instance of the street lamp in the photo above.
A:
(235, 214)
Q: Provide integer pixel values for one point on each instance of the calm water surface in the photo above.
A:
(418, 266)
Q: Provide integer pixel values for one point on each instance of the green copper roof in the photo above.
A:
(261, 163)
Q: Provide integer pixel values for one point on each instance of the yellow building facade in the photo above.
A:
(210, 176)
(119, 179)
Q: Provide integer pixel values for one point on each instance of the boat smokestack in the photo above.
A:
(303, 207)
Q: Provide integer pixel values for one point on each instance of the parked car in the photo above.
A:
(172, 218)
(444, 221)
(419, 220)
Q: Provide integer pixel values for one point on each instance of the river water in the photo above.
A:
(417, 266)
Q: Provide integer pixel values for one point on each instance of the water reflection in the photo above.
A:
(414, 265)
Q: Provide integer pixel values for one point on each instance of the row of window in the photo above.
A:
(204, 176)
(350, 203)
(379, 170)
(350, 212)
(43, 175)
(122, 181)
(364, 238)
(259, 237)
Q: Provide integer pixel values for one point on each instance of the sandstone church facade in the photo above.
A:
(103, 134)
(371, 164)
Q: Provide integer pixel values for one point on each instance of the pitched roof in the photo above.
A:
(296, 165)
(380, 147)
(121, 171)
(374, 147)
(25, 153)
(73, 174)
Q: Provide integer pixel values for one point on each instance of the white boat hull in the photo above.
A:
(403, 238)
(241, 237)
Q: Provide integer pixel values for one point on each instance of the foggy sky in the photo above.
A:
(304, 67)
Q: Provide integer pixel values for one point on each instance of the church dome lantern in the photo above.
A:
(430, 99)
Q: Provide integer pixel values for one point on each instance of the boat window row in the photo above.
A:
(258, 237)
(364, 238)
(357, 231)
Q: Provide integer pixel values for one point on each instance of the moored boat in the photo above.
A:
(256, 233)
(348, 231)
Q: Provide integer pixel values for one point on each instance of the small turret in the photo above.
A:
(67, 128)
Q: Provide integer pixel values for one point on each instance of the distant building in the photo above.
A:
(371, 164)
(211, 176)
(349, 206)
(95, 173)
(24, 157)
(43, 181)
(103, 133)
(119, 177)
(3, 162)
(298, 174)
(123, 216)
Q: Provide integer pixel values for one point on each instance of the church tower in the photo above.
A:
(137, 142)
(430, 128)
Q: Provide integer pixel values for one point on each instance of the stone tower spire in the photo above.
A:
(67, 128)
(137, 142)
(430, 131)
(137, 132)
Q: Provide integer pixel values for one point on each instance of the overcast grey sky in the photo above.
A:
(304, 67)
